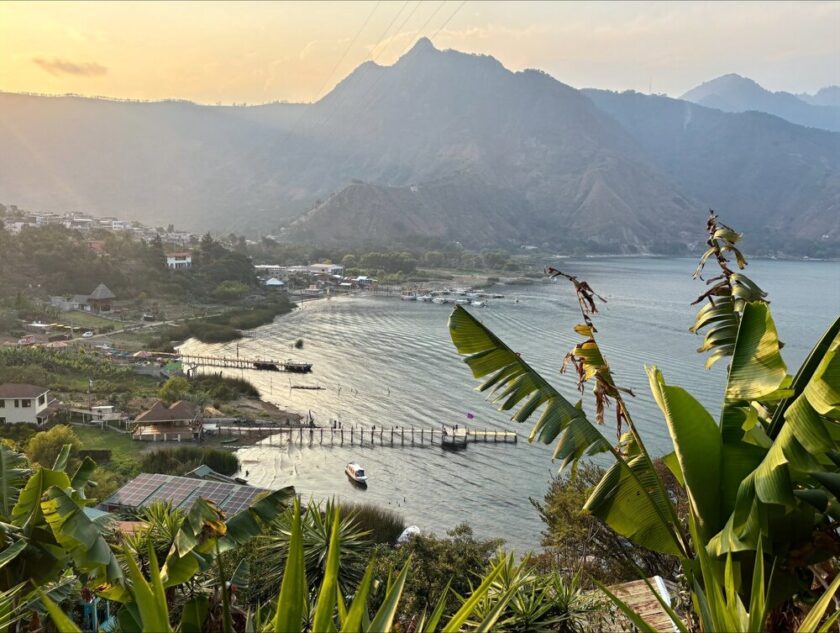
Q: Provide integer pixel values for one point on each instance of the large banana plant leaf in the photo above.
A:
(630, 498)
(14, 470)
(800, 468)
(79, 536)
(204, 532)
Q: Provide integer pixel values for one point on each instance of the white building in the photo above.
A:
(272, 270)
(274, 283)
(23, 403)
(326, 269)
(179, 261)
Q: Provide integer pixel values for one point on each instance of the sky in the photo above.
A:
(243, 52)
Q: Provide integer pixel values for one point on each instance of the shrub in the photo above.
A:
(19, 434)
(436, 562)
(174, 389)
(181, 460)
(230, 291)
(45, 446)
(221, 388)
(384, 525)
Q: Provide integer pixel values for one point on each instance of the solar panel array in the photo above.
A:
(182, 492)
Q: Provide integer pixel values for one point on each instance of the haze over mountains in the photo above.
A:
(441, 145)
(733, 93)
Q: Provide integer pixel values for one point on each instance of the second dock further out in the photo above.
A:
(446, 437)
(237, 362)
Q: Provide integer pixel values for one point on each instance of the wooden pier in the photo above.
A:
(259, 364)
(392, 437)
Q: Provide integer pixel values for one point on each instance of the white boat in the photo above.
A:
(409, 297)
(440, 301)
(425, 298)
(356, 474)
(478, 303)
(462, 302)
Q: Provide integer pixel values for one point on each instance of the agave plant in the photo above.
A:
(766, 473)
(329, 612)
(293, 610)
(316, 526)
(537, 602)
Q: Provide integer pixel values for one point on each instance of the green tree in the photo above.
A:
(174, 389)
(575, 541)
(438, 563)
(43, 448)
(228, 291)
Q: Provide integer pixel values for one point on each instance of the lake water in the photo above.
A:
(388, 362)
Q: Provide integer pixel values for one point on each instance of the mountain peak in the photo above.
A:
(734, 93)
(422, 49)
(424, 45)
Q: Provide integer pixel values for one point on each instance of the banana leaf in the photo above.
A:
(630, 498)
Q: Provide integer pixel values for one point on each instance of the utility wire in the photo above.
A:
(349, 47)
(449, 19)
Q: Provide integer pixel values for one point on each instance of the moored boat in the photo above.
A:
(297, 367)
(356, 474)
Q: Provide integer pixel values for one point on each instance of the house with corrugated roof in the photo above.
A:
(178, 422)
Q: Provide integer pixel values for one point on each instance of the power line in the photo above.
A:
(454, 13)
(387, 28)
(350, 46)
(402, 24)
(324, 119)
(372, 90)
(425, 24)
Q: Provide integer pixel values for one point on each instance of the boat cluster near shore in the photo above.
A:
(458, 296)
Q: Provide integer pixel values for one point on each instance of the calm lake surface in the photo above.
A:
(388, 362)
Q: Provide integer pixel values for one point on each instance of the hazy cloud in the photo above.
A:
(58, 67)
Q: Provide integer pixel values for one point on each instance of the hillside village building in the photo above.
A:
(100, 299)
(179, 261)
(24, 404)
(176, 423)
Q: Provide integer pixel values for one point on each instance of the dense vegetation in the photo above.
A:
(579, 543)
(742, 513)
(181, 460)
(68, 370)
(222, 327)
(414, 258)
(130, 268)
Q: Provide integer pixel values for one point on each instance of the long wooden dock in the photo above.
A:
(392, 437)
(237, 362)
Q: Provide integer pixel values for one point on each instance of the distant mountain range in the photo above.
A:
(733, 93)
(441, 145)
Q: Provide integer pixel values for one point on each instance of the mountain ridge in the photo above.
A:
(734, 93)
(520, 154)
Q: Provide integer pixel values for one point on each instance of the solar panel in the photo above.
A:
(215, 492)
(172, 491)
(182, 492)
(240, 500)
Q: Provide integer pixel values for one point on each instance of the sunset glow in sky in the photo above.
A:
(258, 52)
